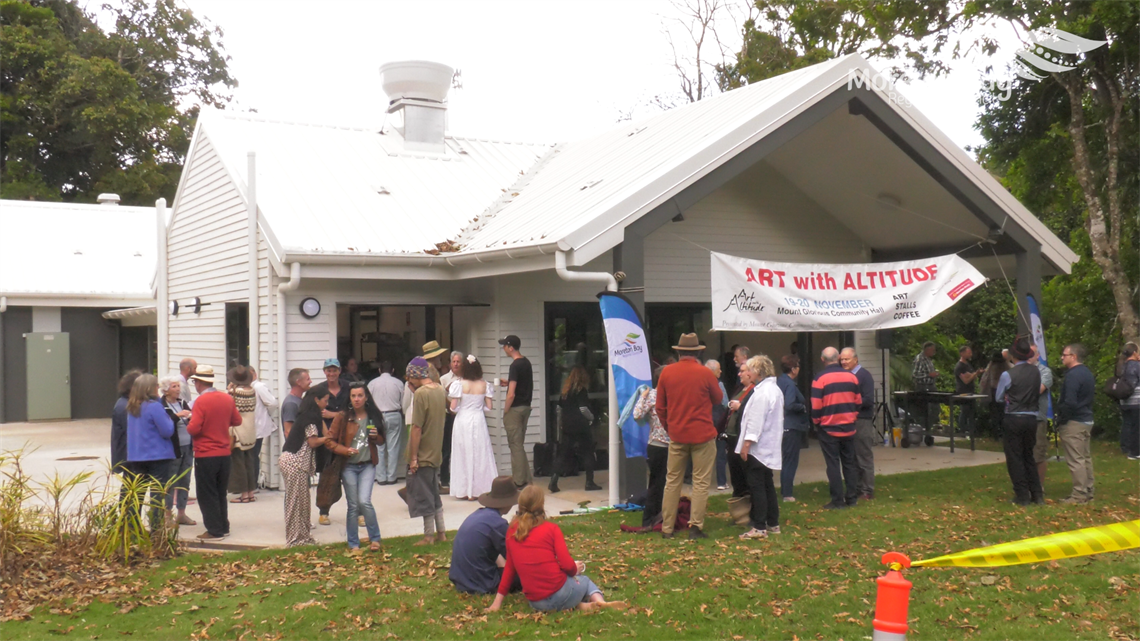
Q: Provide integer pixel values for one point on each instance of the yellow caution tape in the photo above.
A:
(1063, 545)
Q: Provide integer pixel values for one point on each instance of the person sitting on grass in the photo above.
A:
(479, 550)
(536, 551)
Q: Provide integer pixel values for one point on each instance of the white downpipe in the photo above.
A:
(615, 436)
(293, 283)
(3, 304)
(162, 304)
(254, 294)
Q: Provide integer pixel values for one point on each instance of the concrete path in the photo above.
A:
(69, 448)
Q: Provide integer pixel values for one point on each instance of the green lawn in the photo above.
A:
(816, 580)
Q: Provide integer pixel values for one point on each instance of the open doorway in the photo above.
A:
(373, 334)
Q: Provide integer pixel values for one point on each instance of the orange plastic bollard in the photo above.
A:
(892, 600)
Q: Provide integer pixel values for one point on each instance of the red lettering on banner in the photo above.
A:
(749, 276)
(848, 283)
(766, 277)
(920, 274)
(859, 281)
(892, 275)
(933, 270)
(780, 275)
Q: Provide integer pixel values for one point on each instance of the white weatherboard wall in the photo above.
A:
(758, 214)
(208, 259)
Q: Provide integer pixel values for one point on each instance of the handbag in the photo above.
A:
(328, 487)
(1118, 388)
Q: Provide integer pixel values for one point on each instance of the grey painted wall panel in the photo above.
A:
(17, 322)
(94, 361)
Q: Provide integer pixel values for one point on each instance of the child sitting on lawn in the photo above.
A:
(551, 579)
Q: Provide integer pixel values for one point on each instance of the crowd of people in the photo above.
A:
(427, 430)
(431, 432)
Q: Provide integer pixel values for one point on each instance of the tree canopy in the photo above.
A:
(84, 111)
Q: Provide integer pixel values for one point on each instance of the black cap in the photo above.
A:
(511, 340)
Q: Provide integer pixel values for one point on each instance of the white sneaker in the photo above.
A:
(722, 487)
(789, 499)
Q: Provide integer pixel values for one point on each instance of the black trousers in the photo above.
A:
(736, 472)
(155, 474)
(576, 442)
(657, 460)
(445, 467)
(765, 507)
(1019, 435)
(211, 477)
(839, 454)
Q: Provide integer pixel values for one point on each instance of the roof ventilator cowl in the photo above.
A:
(417, 91)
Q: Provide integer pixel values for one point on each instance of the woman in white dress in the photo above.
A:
(472, 458)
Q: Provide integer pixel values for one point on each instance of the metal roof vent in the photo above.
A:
(417, 91)
(108, 199)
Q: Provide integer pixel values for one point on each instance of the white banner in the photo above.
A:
(760, 296)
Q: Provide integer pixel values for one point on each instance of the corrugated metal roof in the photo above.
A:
(77, 250)
(330, 189)
(584, 180)
(336, 191)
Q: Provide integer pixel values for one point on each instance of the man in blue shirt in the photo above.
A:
(479, 550)
(1075, 417)
(1020, 390)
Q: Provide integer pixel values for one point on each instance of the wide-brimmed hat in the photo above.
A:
(503, 493)
(689, 343)
(432, 349)
(240, 375)
(1020, 349)
(203, 373)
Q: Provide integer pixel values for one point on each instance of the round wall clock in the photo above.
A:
(310, 307)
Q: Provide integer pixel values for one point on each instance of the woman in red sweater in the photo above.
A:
(551, 579)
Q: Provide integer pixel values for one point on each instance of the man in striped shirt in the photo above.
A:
(835, 401)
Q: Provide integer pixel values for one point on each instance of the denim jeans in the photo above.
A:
(790, 451)
(577, 589)
(357, 479)
(185, 466)
(388, 463)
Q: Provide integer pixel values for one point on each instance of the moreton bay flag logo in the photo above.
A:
(631, 339)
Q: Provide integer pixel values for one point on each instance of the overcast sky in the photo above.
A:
(541, 71)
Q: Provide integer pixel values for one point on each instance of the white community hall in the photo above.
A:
(292, 242)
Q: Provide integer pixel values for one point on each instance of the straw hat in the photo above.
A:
(689, 343)
(203, 373)
(432, 349)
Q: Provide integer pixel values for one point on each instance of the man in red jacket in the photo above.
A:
(686, 393)
(213, 414)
